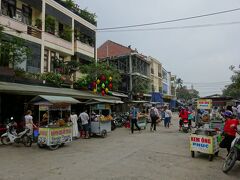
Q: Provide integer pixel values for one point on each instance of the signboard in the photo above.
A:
(204, 144)
(204, 104)
(43, 108)
(53, 136)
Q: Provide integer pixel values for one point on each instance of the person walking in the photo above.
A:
(134, 116)
(74, 119)
(154, 116)
(84, 119)
(29, 122)
(168, 117)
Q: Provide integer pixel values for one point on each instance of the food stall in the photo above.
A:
(57, 130)
(102, 107)
(102, 125)
(204, 139)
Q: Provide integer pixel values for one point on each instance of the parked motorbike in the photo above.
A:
(233, 155)
(11, 136)
(185, 126)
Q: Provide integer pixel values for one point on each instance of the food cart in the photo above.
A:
(205, 140)
(56, 131)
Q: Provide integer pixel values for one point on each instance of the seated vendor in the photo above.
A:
(45, 119)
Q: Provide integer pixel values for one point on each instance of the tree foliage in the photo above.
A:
(13, 51)
(233, 89)
(94, 70)
(186, 94)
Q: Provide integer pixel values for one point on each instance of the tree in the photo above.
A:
(12, 52)
(179, 82)
(233, 89)
(187, 94)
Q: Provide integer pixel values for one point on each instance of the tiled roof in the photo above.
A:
(112, 49)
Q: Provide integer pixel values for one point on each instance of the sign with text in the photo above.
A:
(204, 144)
(204, 104)
(53, 136)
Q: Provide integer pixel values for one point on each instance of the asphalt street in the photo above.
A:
(120, 156)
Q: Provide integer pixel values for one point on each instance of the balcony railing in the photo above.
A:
(58, 43)
(84, 49)
(34, 32)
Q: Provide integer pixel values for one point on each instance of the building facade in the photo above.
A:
(51, 29)
(133, 66)
(156, 75)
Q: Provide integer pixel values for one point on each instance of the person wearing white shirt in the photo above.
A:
(74, 119)
(84, 119)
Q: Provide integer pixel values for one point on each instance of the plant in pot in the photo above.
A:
(38, 23)
(67, 33)
(50, 25)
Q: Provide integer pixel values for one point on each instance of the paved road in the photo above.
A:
(121, 156)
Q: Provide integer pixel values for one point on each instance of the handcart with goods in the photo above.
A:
(102, 125)
(204, 140)
(57, 130)
(142, 122)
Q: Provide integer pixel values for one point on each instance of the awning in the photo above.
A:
(23, 89)
(49, 100)
(98, 100)
(119, 94)
(139, 101)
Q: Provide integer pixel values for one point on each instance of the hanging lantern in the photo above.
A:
(103, 85)
(98, 81)
(89, 86)
(107, 82)
(95, 90)
(110, 86)
(103, 93)
(94, 84)
(110, 78)
(110, 93)
(99, 89)
(103, 78)
(106, 90)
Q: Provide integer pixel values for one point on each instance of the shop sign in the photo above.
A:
(43, 108)
(202, 144)
(204, 104)
(60, 135)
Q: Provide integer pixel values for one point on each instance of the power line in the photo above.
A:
(215, 82)
(169, 21)
(176, 27)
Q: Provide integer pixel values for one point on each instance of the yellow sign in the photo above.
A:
(204, 104)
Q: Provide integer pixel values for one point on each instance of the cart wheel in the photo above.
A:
(53, 147)
(192, 154)
(216, 153)
(104, 133)
(41, 145)
(210, 157)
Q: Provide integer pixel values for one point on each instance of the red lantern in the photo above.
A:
(94, 84)
(110, 86)
(103, 93)
(103, 78)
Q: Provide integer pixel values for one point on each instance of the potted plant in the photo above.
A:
(38, 23)
(50, 24)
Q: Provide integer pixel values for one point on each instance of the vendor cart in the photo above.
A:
(205, 141)
(58, 130)
(102, 125)
(142, 122)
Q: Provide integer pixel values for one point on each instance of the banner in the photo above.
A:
(204, 104)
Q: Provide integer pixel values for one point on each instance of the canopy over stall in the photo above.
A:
(50, 100)
(98, 101)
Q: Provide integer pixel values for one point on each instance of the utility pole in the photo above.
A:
(130, 76)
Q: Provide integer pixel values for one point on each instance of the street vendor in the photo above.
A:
(229, 131)
(45, 119)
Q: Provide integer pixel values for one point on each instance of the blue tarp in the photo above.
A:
(157, 97)
(173, 104)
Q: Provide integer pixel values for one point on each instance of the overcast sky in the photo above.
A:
(200, 56)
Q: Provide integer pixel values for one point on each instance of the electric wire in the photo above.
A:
(176, 27)
(169, 21)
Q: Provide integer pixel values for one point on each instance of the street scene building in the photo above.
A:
(78, 101)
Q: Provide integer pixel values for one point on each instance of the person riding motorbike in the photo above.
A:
(229, 131)
(183, 114)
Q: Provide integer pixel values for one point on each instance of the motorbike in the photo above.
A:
(11, 136)
(185, 126)
(233, 155)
